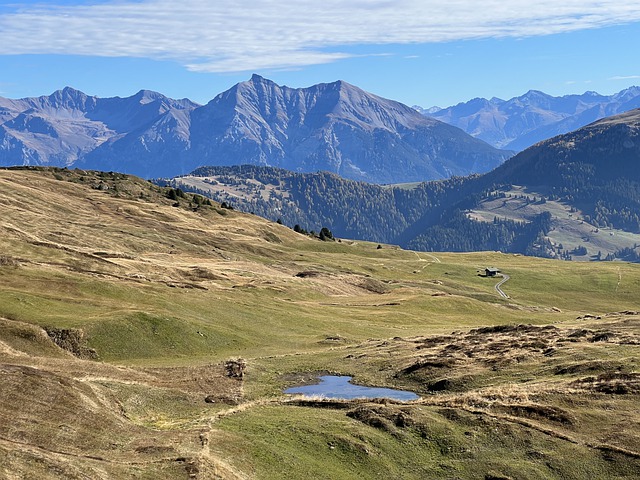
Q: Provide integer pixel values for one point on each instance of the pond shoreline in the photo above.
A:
(340, 387)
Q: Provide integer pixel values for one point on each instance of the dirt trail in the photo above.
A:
(435, 259)
(505, 278)
(222, 469)
(426, 262)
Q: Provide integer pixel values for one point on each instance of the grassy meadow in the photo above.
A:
(119, 307)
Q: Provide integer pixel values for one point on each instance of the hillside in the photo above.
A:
(125, 308)
(573, 196)
(520, 122)
(311, 200)
(589, 177)
(333, 127)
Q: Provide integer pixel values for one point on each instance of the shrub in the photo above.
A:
(325, 234)
(7, 261)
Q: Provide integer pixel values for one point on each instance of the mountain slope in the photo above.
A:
(520, 122)
(350, 208)
(64, 128)
(334, 127)
(554, 199)
(597, 153)
(593, 172)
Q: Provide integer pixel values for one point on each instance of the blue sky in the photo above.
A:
(420, 52)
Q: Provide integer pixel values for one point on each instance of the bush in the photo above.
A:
(325, 234)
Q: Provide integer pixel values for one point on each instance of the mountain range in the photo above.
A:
(575, 195)
(333, 127)
(520, 122)
(68, 127)
(354, 139)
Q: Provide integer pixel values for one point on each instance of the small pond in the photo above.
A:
(340, 387)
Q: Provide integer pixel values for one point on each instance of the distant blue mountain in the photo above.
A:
(535, 116)
(64, 128)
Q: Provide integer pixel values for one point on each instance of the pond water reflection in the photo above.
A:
(340, 387)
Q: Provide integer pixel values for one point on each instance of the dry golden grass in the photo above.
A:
(118, 311)
(552, 379)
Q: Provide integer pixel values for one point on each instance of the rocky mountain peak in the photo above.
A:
(335, 127)
(535, 98)
(535, 94)
(256, 82)
(522, 121)
(628, 94)
(148, 96)
(68, 99)
(69, 93)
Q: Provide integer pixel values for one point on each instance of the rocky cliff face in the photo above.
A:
(67, 127)
(334, 127)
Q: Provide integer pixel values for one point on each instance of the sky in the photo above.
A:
(419, 52)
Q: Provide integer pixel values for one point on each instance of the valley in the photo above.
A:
(231, 249)
(148, 334)
(574, 196)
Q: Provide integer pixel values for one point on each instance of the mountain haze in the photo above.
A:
(62, 129)
(335, 127)
(520, 122)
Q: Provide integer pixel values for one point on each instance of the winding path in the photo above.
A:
(433, 257)
(505, 277)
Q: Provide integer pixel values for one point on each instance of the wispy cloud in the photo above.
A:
(625, 77)
(245, 35)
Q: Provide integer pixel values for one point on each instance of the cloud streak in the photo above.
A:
(625, 77)
(226, 36)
